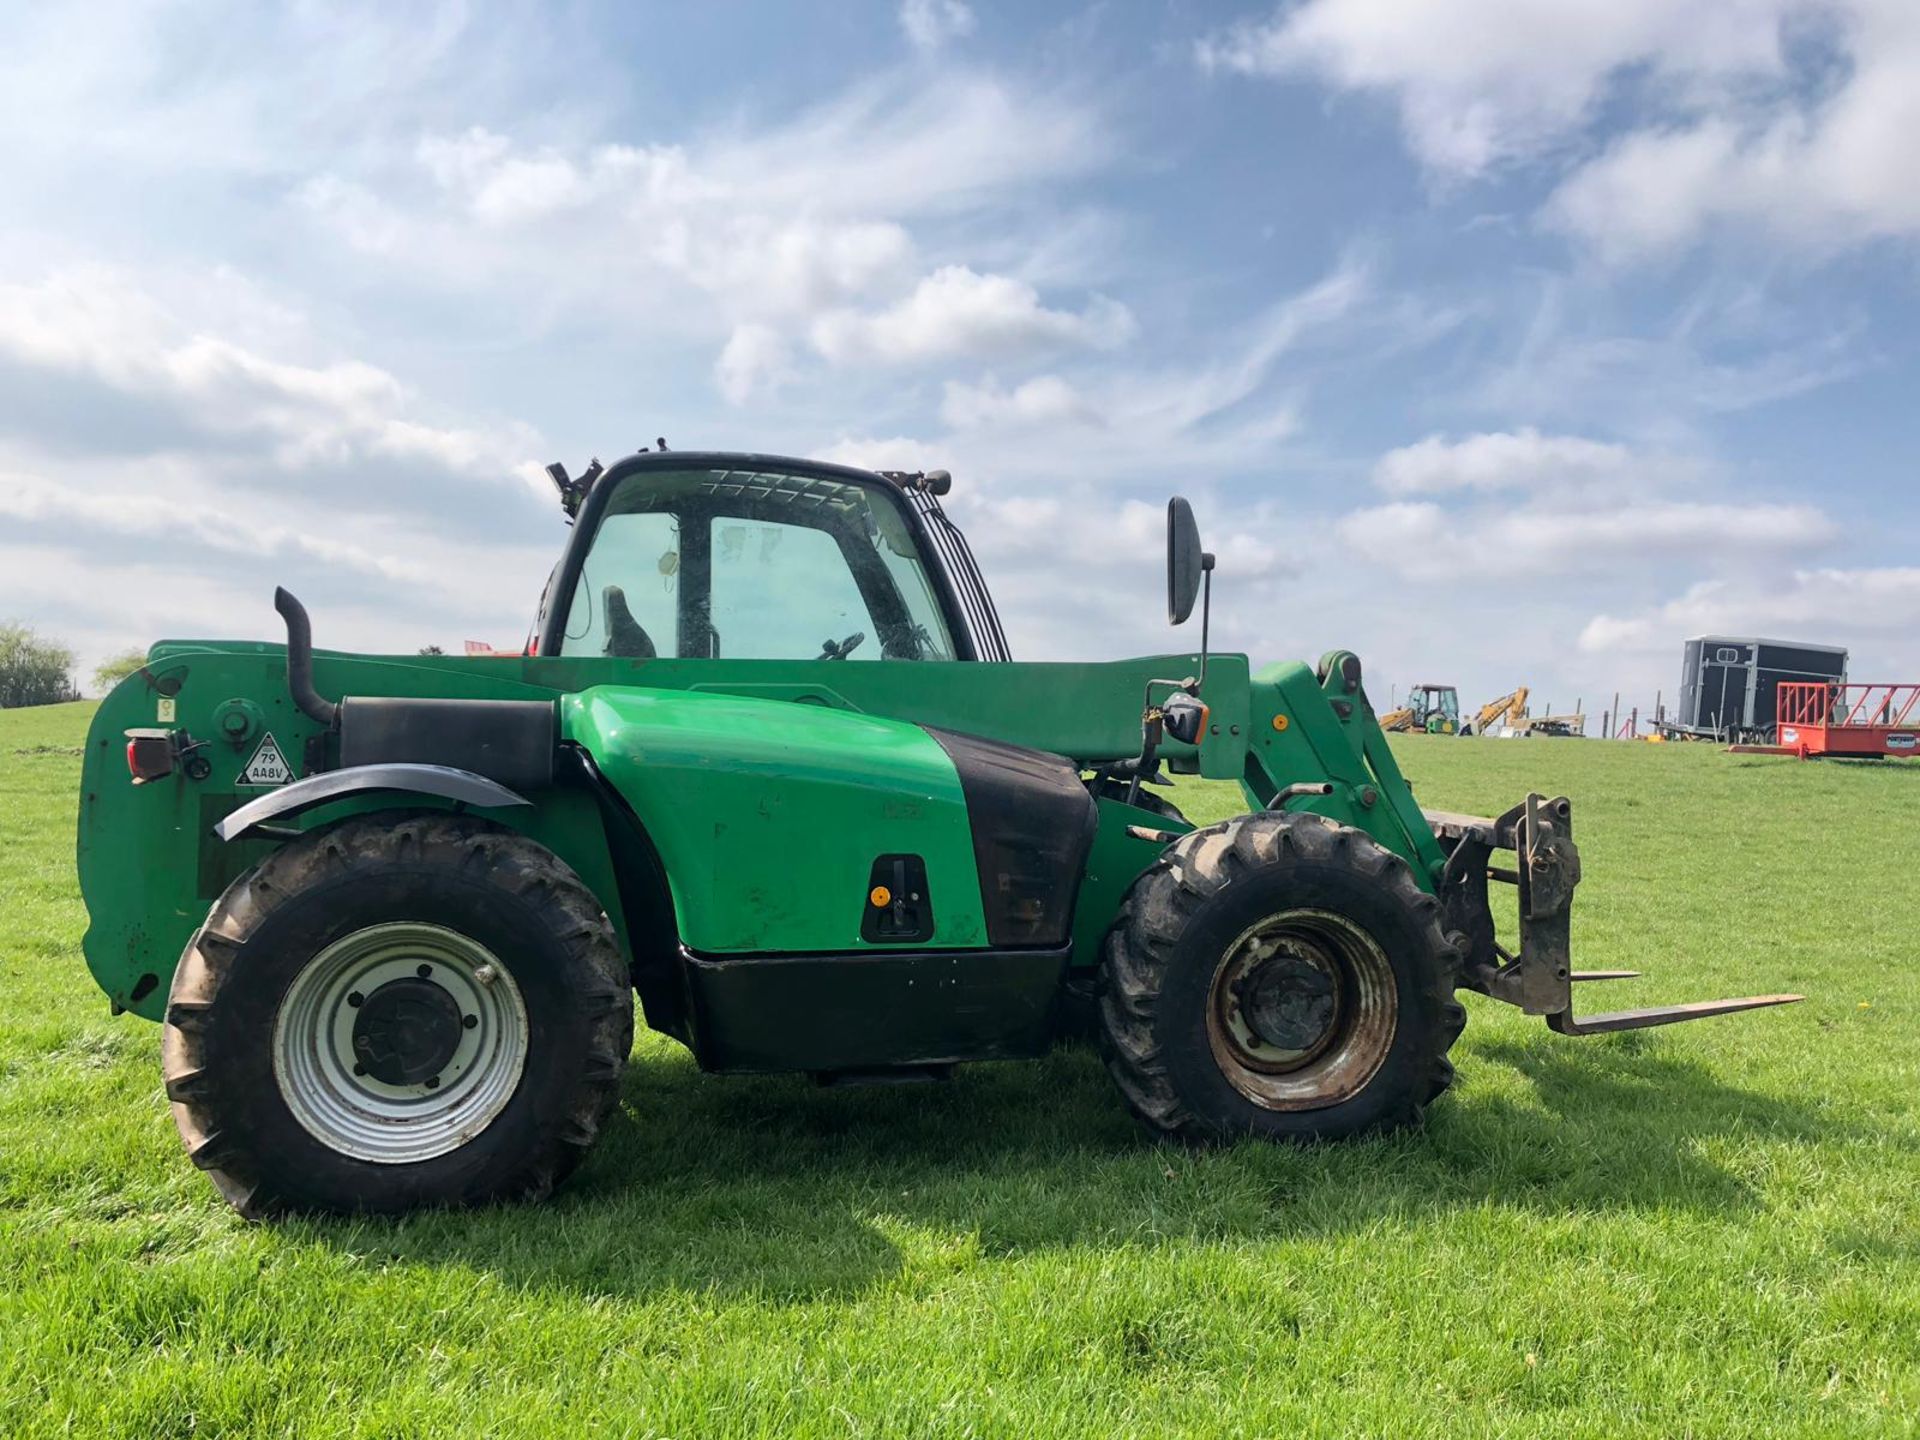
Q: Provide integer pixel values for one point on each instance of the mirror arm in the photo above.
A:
(1206, 615)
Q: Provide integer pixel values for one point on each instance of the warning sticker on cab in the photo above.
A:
(268, 766)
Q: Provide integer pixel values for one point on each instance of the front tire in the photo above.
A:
(1279, 976)
(395, 1013)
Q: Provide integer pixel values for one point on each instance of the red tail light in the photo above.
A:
(150, 755)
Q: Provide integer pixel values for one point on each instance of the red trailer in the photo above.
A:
(1831, 718)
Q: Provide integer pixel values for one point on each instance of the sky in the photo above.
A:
(1501, 341)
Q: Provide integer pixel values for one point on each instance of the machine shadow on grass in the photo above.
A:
(774, 1187)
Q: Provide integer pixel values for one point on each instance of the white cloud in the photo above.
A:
(893, 452)
(1877, 610)
(501, 183)
(1481, 82)
(1728, 344)
(1111, 422)
(786, 269)
(1425, 540)
(98, 324)
(910, 146)
(812, 220)
(359, 217)
(932, 24)
(882, 153)
(178, 425)
(154, 516)
(1043, 400)
(1791, 117)
(957, 311)
(1522, 460)
(1833, 170)
(756, 357)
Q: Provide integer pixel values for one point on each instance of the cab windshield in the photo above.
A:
(754, 565)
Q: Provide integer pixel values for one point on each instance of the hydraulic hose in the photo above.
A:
(300, 660)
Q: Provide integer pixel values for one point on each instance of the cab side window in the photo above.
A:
(628, 599)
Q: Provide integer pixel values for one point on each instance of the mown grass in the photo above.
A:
(1707, 1230)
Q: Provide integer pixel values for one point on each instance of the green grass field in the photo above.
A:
(1706, 1230)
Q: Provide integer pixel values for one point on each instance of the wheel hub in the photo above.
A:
(1290, 1000)
(406, 1031)
(400, 1042)
(1303, 1010)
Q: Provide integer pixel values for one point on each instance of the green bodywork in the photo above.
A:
(764, 787)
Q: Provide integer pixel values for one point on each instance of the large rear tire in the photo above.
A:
(1279, 976)
(394, 1013)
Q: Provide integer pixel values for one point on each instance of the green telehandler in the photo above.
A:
(766, 763)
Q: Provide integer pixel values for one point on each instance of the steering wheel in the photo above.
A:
(831, 651)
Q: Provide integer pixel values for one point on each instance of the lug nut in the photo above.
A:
(359, 1069)
(433, 1082)
(356, 999)
(486, 974)
(467, 1022)
(424, 971)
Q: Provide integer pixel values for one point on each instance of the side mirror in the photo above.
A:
(1187, 563)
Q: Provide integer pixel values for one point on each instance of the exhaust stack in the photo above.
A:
(300, 661)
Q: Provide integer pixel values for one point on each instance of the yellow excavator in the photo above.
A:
(1510, 711)
(1509, 716)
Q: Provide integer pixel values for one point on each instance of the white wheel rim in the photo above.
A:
(314, 1057)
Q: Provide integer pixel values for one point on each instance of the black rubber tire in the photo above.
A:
(502, 889)
(1172, 935)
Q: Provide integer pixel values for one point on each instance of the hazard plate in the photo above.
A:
(269, 765)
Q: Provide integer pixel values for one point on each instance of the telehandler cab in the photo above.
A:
(766, 762)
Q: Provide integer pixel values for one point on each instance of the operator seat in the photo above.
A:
(625, 636)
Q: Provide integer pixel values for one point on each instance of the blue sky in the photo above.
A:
(1503, 341)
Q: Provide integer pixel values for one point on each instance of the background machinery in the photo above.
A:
(1503, 716)
(1430, 710)
(764, 765)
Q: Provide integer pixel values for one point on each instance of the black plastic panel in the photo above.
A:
(510, 741)
(872, 1009)
(1033, 824)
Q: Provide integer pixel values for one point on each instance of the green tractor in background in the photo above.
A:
(767, 764)
(1430, 710)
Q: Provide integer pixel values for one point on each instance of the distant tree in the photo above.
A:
(431, 650)
(33, 671)
(115, 668)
